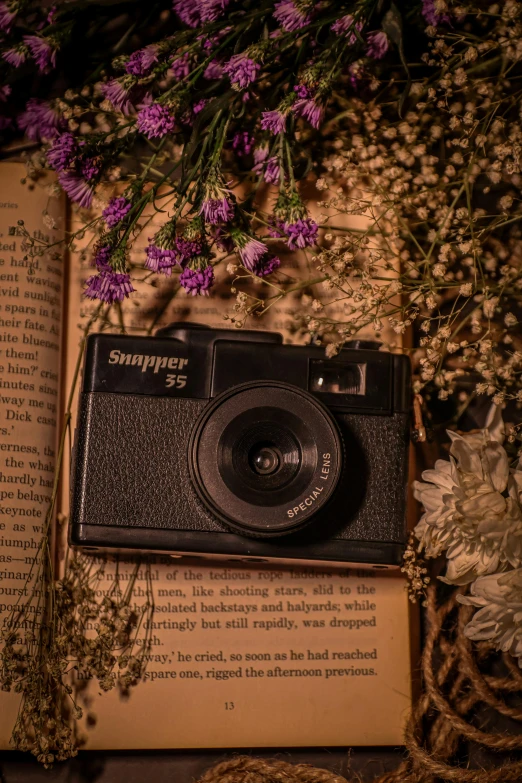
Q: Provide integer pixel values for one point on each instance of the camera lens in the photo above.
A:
(265, 458)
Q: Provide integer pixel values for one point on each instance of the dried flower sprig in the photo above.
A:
(425, 217)
(61, 631)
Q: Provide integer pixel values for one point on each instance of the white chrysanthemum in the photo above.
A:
(472, 506)
(499, 617)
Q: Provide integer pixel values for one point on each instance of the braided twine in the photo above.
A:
(462, 696)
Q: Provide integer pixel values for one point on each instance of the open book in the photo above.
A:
(241, 656)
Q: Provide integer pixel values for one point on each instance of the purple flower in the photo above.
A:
(212, 9)
(160, 259)
(180, 66)
(290, 17)
(62, 152)
(51, 14)
(272, 171)
(242, 143)
(274, 121)
(41, 50)
(155, 121)
(108, 286)
(5, 92)
(241, 70)
(300, 234)
(102, 257)
(260, 156)
(40, 121)
(189, 11)
(199, 106)
(186, 249)
(269, 168)
(310, 110)
(116, 210)
(76, 188)
(197, 281)
(302, 91)
(214, 70)
(15, 56)
(267, 265)
(140, 63)
(378, 44)
(89, 167)
(345, 26)
(216, 210)
(430, 14)
(7, 16)
(118, 94)
(251, 252)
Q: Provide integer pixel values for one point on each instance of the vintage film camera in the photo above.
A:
(215, 442)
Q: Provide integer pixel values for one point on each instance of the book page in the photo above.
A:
(30, 329)
(247, 656)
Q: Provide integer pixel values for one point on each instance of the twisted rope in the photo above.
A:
(454, 687)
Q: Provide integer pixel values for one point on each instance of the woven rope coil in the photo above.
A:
(457, 684)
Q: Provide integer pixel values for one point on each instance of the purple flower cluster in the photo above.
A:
(302, 91)
(89, 167)
(102, 257)
(345, 26)
(155, 120)
(267, 167)
(39, 121)
(116, 210)
(378, 44)
(118, 94)
(186, 249)
(290, 17)
(267, 265)
(108, 286)
(197, 281)
(5, 92)
(310, 110)
(180, 66)
(214, 70)
(251, 253)
(15, 56)
(7, 16)
(188, 12)
(212, 9)
(300, 234)
(140, 63)
(273, 121)
(430, 14)
(242, 143)
(241, 70)
(76, 188)
(62, 152)
(216, 210)
(160, 259)
(194, 13)
(199, 106)
(41, 51)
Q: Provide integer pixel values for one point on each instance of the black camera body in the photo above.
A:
(213, 442)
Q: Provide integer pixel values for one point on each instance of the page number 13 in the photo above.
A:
(229, 705)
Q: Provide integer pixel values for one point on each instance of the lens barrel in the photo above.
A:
(265, 457)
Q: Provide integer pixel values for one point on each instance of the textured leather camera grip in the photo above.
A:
(131, 463)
